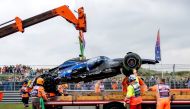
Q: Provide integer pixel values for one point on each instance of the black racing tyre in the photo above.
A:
(132, 61)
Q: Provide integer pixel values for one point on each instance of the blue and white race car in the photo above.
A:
(76, 70)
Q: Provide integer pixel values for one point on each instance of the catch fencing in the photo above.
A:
(89, 86)
(10, 82)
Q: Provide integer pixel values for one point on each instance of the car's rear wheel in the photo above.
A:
(132, 61)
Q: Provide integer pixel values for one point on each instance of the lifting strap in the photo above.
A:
(42, 103)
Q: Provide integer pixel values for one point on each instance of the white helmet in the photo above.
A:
(132, 78)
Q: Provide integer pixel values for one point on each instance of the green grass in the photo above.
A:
(13, 106)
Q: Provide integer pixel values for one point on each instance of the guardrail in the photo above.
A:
(11, 97)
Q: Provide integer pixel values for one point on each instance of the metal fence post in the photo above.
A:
(173, 75)
(14, 82)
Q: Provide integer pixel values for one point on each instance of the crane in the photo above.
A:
(63, 11)
(19, 25)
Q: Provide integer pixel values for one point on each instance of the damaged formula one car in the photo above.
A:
(76, 70)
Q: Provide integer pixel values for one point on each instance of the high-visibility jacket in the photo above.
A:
(134, 94)
(142, 84)
(38, 91)
(125, 83)
(162, 95)
(24, 91)
(162, 90)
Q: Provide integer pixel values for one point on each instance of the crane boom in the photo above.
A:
(64, 11)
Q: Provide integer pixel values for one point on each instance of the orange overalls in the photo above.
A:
(162, 95)
(125, 84)
(97, 87)
(36, 93)
(25, 94)
(134, 95)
